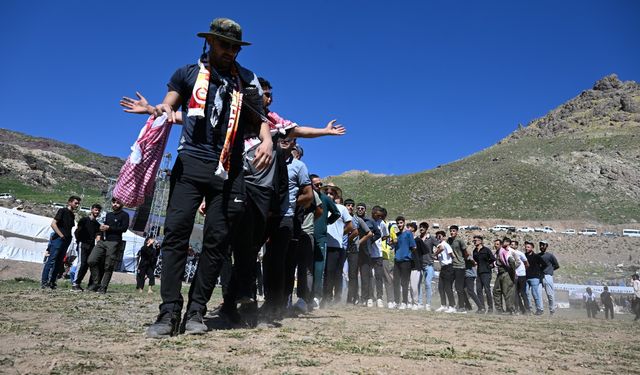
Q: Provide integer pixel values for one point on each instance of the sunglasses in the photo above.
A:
(319, 184)
(267, 94)
(229, 46)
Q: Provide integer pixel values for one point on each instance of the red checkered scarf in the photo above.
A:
(137, 176)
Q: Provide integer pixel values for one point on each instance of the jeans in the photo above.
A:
(469, 286)
(192, 180)
(401, 277)
(445, 286)
(274, 262)
(85, 251)
(551, 295)
(320, 256)
(483, 287)
(386, 266)
(522, 301)
(414, 286)
(333, 277)
(53, 266)
(463, 301)
(352, 262)
(534, 285)
(427, 276)
(305, 266)
(364, 266)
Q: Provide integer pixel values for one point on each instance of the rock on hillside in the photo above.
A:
(43, 165)
(579, 162)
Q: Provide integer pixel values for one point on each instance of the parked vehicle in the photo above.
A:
(473, 227)
(538, 230)
(526, 230)
(569, 231)
(435, 226)
(608, 234)
(588, 232)
(631, 232)
(6, 196)
(503, 228)
(548, 230)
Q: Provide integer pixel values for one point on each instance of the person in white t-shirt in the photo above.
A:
(444, 254)
(520, 291)
(336, 253)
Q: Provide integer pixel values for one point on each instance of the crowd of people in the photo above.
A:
(239, 164)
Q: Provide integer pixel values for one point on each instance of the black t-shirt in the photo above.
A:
(534, 271)
(199, 137)
(65, 220)
(87, 230)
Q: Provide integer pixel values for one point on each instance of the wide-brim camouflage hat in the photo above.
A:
(225, 29)
(332, 186)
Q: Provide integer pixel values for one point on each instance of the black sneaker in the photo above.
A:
(166, 325)
(94, 288)
(44, 286)
(77, 288)
(101, 290)
(480, 311)
(193, 323)
(53, 286)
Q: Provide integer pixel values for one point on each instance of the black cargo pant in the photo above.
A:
(85, 251)
(103, 260)
(193, 179)
(145, 270)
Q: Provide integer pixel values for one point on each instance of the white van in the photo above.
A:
(631, 232)
(6, 196)
(588, 232)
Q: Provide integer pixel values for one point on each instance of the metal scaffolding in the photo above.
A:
(160, 196)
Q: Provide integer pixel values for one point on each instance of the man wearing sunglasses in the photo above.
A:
(209, 167)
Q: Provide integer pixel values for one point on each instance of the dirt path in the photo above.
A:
(71, 333)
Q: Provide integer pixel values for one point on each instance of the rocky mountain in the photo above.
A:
(41, 170)
(579, 162)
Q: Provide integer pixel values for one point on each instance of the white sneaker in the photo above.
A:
(403, 306)
(450, 309)
(441, 309)
(301, 305)
(427, 307)
(414, 307)
(316, 304)
(260, 298)
(391, 305)
(461, 311)
(380, 303)
(420, 307)
(369, 302)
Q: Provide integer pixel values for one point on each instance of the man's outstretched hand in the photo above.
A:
(333, 129)
(141, 105)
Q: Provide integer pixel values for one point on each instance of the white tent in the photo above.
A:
(25, 236)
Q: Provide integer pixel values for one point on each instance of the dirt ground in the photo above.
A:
(62, 332)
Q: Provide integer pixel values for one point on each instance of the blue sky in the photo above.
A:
(416, 83)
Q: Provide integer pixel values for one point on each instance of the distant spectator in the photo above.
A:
(590, 303)
(88, 228)
(550, 264)
(106, 253)
(635, 306)
(607, 302)
(146, 265)
(62, 224)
